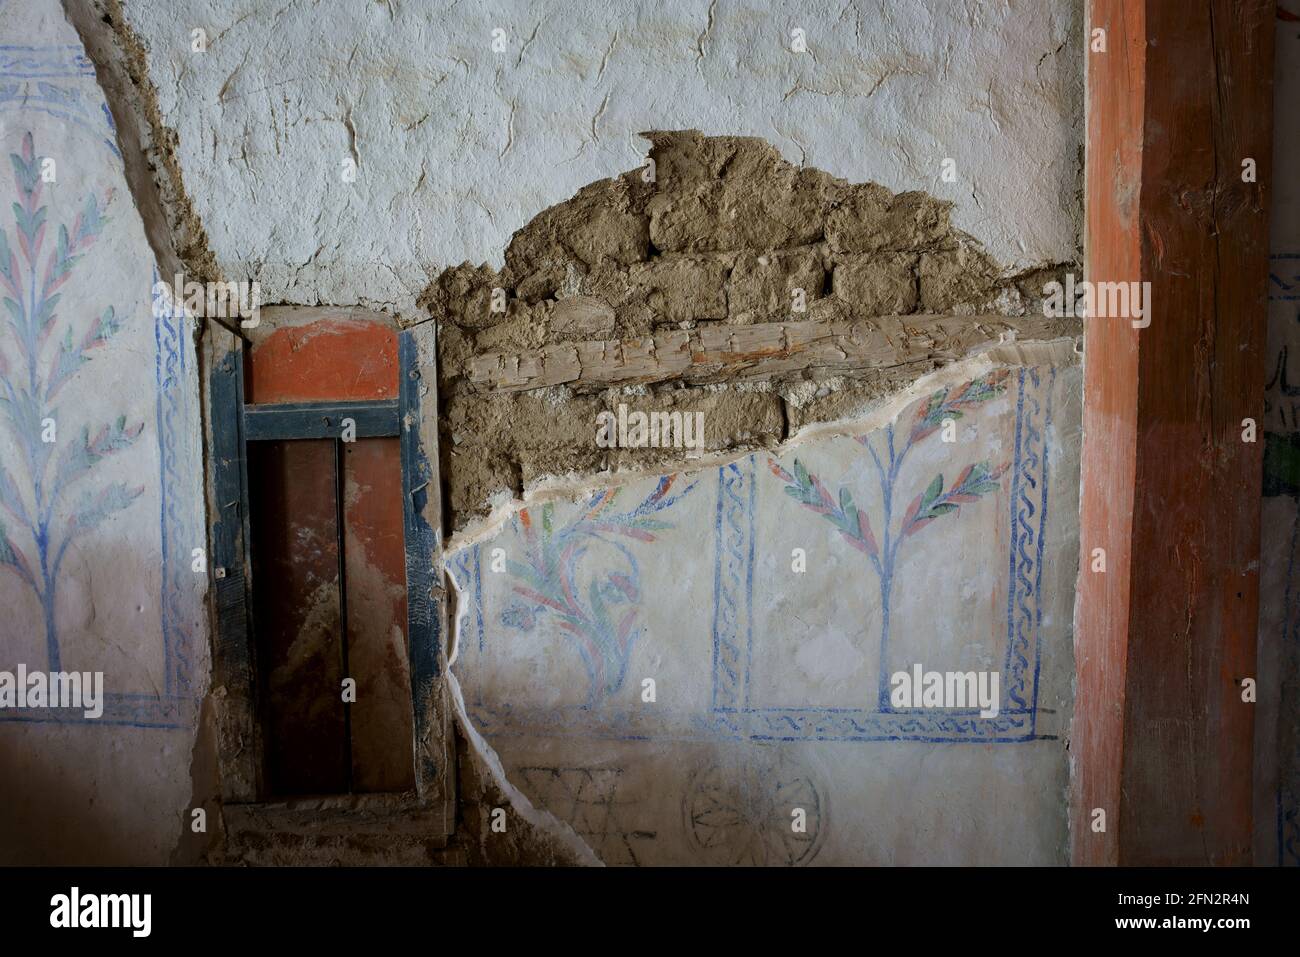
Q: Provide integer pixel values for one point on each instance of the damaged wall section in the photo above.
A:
(699, 667)
(690, 658)
(716, 233)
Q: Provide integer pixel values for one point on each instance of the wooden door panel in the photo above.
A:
(296, 611)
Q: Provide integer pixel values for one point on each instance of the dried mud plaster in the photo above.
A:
(714, 232)
(1060, 352)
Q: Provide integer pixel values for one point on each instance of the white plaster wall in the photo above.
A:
(457, 146)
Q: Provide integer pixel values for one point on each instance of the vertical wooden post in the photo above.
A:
(426, 598)
(1178, 101)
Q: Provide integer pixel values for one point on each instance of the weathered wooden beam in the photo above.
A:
(718, 352)
(426, 598)
(1178, 100)
(320, 420)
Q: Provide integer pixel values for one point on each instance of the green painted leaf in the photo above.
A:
(932, 491)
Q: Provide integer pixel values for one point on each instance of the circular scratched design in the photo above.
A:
(741, 814)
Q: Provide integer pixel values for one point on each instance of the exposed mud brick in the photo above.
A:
(917, 221)
(729, 192)
(607, 281)
(463, 295)
(877, 285)
(762, 284)
(518, 324)
(730, 418)
(683, 288)
(1031, 285)
(872, 219)
(858, 223)
(665, 286)
(602, 222)
(497, 443)
(579, 317)
(959, 279)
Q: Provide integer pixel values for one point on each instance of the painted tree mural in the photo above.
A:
(46, 501)
(585, 576)
(929, 505)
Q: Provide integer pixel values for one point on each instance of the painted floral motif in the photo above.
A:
(585, 576)
(935, 501)
(40, 356)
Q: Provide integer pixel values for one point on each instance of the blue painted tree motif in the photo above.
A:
(600, 620)
(50, 470)
(934, 502)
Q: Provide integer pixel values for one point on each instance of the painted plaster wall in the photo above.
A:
(456, 146)
(770, 597)
(1277, 806)
(97, 525)
(769, 600)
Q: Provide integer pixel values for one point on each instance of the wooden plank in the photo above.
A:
(1162, 741)
(435, 755)
(233, 663)
(296, 604)
(717, 352)
(320, 420)
(315, 355)
(378, 656)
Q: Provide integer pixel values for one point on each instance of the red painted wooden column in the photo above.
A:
(1178, 100)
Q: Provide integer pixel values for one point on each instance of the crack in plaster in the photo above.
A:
(543, 820)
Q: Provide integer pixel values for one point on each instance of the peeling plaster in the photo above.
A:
(545, 822)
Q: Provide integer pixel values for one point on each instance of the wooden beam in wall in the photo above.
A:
(719, 352)
(1178, 101)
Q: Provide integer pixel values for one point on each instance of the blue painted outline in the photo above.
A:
(176, 707)
(1276, 280)
(730, 715)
